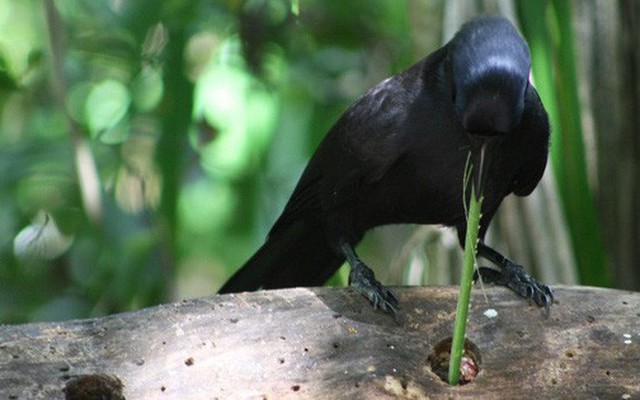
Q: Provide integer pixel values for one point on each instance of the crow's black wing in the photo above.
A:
(533, 132)
(358, 149)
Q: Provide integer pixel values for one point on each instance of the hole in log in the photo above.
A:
(94, 387)
(469, 366)
(295, 388)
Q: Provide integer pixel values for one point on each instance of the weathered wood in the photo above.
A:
(327, 343)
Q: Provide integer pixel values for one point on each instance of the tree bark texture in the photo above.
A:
(328, 343)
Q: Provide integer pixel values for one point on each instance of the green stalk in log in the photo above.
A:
(462, 309)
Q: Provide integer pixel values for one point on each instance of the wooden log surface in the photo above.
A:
(328, 343)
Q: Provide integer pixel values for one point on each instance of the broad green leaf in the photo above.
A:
(107, 103)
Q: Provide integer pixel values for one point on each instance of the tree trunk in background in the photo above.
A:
(609, 44)
(626, 253)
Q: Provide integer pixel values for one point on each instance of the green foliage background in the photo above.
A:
(199, 117)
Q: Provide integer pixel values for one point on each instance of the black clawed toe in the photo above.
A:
(363, 280)
(515, 278)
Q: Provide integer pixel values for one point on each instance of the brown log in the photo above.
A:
(328, 343)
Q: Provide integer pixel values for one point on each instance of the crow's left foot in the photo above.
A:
(362, 279)
(515, 278)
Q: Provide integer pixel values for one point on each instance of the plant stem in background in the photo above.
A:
(85, 165)
(548, 29)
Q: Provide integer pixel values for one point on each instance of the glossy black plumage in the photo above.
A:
(398, 155)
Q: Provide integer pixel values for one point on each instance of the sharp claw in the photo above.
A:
(548, 301)
(533, 293)
(387, 300)
(541, 299)
(548, 298)
(549, 294)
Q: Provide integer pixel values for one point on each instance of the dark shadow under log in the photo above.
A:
(327, 343)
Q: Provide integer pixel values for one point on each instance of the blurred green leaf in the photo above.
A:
(107, 103)
(147, 89)
(76, 102)
(6, 80)
(239, 107)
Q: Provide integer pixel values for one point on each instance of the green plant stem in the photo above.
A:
(548, 30)
(462, 309)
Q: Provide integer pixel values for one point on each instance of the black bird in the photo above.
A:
(398, 155)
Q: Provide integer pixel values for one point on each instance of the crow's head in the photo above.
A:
(490, 64)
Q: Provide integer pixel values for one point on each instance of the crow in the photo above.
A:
(398, 156)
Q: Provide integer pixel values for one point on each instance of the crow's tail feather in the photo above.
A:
(295, 255)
